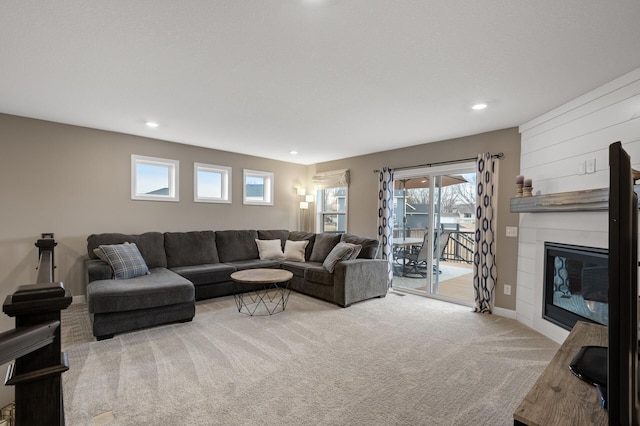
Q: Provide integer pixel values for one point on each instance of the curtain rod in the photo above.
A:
(498, 156)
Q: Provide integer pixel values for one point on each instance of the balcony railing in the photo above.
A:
(459, 246)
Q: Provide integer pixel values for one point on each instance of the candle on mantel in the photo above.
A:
(519, 179)
(527, 189)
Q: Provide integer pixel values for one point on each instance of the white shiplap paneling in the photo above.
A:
(552, 147)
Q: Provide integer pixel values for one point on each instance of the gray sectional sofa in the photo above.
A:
(189, 266)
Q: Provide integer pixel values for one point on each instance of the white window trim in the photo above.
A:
(268, 183)
(457, 168)
(225, 198)
(174, 172)
(320, 212)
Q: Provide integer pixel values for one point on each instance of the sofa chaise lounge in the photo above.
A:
(187, 266)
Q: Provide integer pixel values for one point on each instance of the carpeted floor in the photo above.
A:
(393, 361)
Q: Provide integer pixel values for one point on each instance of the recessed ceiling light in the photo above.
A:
(479, 106)
(293, 152)
(151, 124)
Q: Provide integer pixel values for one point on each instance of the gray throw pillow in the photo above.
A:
(356, 251)
(125, 260)
(342, 251)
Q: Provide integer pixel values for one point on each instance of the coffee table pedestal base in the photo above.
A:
(268, 300)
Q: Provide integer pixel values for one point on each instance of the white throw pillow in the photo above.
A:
(270, 249)
(294, 250)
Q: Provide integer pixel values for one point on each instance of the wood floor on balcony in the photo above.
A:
(455, 282)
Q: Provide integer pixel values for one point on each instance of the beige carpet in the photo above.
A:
(400, 360)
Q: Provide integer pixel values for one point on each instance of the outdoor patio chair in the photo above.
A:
(415, 261)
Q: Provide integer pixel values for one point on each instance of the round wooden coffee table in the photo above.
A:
(271, 293)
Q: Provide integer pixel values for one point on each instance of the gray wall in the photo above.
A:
(363, 190)
(75, 181)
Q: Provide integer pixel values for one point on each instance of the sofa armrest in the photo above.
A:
(96, 269)
(360, 279)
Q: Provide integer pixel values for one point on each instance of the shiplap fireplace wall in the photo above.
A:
(555, 149)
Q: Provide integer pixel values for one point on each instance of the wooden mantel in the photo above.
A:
(587, 200)
(574, 201)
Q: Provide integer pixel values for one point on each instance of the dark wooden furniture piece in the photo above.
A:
(37, 376)
(35, 343)
(559, 397)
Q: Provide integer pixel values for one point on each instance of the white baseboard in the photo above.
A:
(79, 299)
(507, 313)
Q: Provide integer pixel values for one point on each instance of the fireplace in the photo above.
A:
(576, 284)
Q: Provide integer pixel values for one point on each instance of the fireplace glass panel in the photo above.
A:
(576, 284)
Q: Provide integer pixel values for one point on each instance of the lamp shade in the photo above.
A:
(302, 191)
(304, 205)
(309, 198)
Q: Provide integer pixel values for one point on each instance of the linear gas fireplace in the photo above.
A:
(576, 284)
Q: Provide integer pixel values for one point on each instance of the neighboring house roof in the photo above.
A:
(161, 191)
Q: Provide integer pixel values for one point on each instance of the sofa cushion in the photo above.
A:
(294, 250)
(208, 273)
(323, 245)
(297, 268)
(190, 248)
(236, 245)
(370, 246)
(318, 274)
(125, 260)
(274, 234)
(150, 245)
(269, 249)
(304, 236)
(255, 263)
(97, 269)
(342, 251)
(160, 288)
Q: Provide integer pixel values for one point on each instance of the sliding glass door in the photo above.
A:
(433, 237)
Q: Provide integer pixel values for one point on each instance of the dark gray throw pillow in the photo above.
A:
(369, 245)
(323, 245)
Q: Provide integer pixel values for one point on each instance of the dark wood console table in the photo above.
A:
(559, 397)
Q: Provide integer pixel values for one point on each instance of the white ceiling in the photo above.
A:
(330, 79)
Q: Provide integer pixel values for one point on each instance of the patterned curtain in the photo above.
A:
(385, 218)
(484, 261)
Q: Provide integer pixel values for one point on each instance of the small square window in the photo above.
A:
(258, 188)
(154, 179)
(212, 184)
